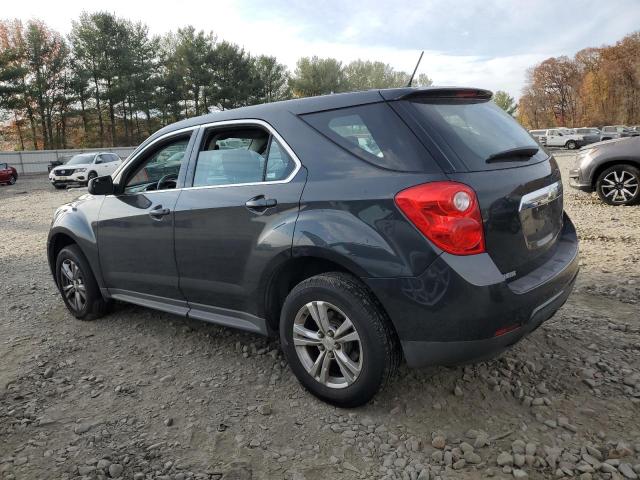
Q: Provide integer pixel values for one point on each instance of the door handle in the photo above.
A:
(260, 203)
(158, 212)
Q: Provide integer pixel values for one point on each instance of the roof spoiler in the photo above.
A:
(437, 92)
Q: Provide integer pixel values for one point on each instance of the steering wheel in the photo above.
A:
(169, 177)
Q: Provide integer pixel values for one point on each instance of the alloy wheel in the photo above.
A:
(620, 186)
(327, 344)
(12, 180)
(72, 284)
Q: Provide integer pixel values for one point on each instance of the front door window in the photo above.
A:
(159, 171)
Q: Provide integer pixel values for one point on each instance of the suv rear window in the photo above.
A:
(374, 133)
(473, 130)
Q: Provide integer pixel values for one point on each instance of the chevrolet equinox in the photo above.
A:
(362, 228)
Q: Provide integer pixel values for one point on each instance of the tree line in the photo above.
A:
(111, 83)
(598, 86)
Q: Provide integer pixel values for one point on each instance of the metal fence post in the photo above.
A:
(21, 163)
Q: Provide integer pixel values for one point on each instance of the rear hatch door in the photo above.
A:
(518, 184)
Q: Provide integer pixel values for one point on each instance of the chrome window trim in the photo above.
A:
(221, 123)
(141, 149)
(541, 196)
(273, 132)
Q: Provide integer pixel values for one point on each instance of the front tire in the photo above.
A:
(619, 185)
(78, 286)
(571, 145)
(337, 339)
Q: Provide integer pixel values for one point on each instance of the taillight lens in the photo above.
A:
(447, 213)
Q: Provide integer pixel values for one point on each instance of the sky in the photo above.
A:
(488, 44)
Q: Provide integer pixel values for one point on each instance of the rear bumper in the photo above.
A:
(421, 353)
(459, 310)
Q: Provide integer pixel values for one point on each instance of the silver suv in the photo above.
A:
(612, 169)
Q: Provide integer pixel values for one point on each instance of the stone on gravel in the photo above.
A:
(472, 457)
(115, 470)
(505, 458)
(626, 470)
(438, 442)
(424, 475)
(459, 464)
(82, 428)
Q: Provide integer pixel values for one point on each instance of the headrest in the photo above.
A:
(242, 166)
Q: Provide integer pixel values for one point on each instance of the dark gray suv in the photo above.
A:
(362, 228)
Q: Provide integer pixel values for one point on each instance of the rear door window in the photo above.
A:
(473, 130)
(375, 134)
(243, 155)
(232, 157)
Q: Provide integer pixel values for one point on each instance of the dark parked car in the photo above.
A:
(56, 163)
(361, 228)
(590, 134)
(8, 174)
(610, 168)
(611, 132)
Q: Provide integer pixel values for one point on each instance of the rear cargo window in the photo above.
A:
(375, 134)
(473, 130)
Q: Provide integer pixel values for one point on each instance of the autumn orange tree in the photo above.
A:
(598, 86)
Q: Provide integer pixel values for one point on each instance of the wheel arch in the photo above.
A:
(611, 163)
(298, 268)
(61, 236)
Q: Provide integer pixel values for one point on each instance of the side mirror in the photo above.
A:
(101, 185)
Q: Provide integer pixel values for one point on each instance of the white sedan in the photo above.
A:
(83, 167)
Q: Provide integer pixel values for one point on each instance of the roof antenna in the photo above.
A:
(415, 69)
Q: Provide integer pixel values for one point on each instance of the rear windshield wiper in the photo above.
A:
(521, 154)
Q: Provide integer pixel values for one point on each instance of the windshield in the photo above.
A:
(81, 159)
(474, 130)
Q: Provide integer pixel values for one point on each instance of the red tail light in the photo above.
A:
(447, 213)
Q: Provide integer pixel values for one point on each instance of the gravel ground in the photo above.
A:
(141, 394)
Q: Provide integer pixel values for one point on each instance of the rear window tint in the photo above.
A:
(473, 130)
(375, 134)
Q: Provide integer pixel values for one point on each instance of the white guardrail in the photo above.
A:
(29, 162)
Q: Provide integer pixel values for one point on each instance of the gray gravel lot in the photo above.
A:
(145, 395)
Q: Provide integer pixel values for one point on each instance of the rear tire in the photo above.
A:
(342, 365)
(78, 286)
(12, 180)
(619, 185)
(571, 145)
